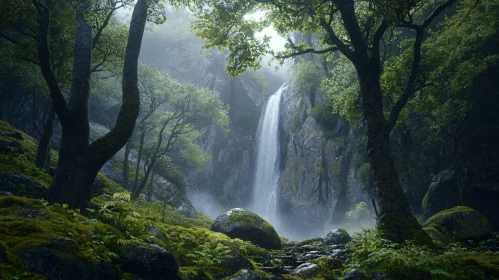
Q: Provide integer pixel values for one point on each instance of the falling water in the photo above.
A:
(267, 164)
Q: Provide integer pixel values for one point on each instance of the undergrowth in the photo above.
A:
(373, 254)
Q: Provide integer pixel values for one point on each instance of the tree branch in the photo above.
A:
(414, 71)
(60, 105)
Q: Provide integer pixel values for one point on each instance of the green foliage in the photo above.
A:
(121, 213)
(361, 212)
(22, 163)
(306, 77)
(341, 89)
(410, 261)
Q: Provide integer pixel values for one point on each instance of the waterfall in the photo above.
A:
(267, 163)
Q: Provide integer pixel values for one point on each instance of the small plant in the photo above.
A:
(119, 210)
(360, 213)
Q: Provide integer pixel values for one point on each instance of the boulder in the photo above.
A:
(7, 146)
(436, 235)
(337, 236)
(307, 271)
(442, 194)
(58, 260)
(246, 225)
(21, 185)
(152, 262)
(246, 274)
(354, 274)
(461, 223)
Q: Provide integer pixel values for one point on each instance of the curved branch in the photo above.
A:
(104, 148)
(44, 56)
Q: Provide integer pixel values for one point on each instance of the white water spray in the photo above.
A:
(267, 163)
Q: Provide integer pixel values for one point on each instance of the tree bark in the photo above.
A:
(126, 164)
(43, 151)
(395, 219)
(79, 162)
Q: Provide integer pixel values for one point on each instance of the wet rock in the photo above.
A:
(246, 225)
(354, 274)
(442, 194)
(490, 245)
(461, 223)
(246, 274)
(307, 270)
(7, 146)
(3, 254)
(337, 236)
(154, 262)
(22, 185)
(58, 260)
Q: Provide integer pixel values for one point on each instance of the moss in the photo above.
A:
(424, 203)
(436, 235)
(460, 223)
(26, 223)
(22, 163)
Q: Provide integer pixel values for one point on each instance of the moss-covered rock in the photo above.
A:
(442, 194)
(21, 185)
(149, 262)
(460, 223)
(337, 236)
(436, 235)
(246, 225)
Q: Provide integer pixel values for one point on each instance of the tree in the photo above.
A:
(79, 161)
(357, 30)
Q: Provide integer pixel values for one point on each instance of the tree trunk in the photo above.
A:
(80, 162)
(126, 164)
(395, 219)
(43, 151)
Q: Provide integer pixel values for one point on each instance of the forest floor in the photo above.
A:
(119, 239)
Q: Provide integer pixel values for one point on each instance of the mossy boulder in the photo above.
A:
(58, 259)
(442, 194)
(461, 223)
(436, 235)
(151, 262)
(246, 225)
(337, 236)
(21, 185)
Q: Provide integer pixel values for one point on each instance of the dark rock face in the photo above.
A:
(461, 223)
(246, 225)
(57, 260)
(228, 174)
(7, 146)
(315, 159)
(337, 236)
(247, 275)
(150, 263)
(443, 194)
(3, 254)
(21, 185)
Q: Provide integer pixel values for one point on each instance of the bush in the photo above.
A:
(373, 254)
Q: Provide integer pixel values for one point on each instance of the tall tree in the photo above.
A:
(79, 161)
(356, 29)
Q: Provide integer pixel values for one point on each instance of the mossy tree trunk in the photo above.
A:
(395, 220)
(79, 161)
